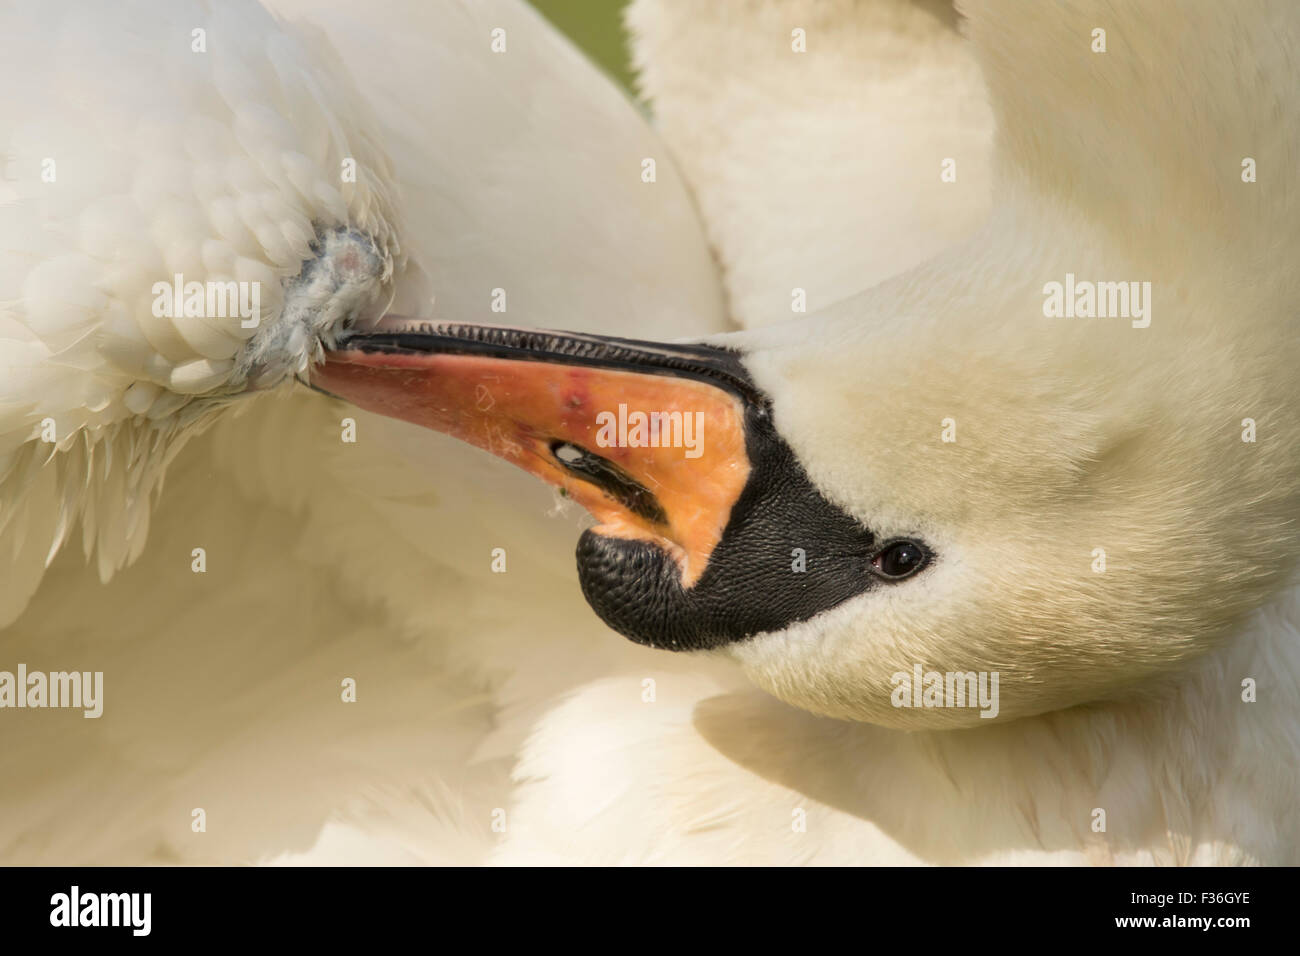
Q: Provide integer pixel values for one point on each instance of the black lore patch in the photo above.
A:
(751, 584)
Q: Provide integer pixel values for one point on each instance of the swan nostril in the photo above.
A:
(567, 454)
(611, 479)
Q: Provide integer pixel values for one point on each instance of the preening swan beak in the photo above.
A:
(700, 502)
(649, 438)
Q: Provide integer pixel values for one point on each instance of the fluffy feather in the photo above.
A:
(1071, 434)
(187, 138)
(329, 559)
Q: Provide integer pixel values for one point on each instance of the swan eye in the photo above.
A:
(900, 560)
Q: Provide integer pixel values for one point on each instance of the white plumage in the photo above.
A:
(482, 692)
(325, 559)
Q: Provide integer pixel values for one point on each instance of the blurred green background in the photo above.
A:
(596, 26)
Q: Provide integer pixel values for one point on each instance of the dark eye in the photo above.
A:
(899, 560)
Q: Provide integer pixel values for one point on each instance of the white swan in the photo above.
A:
(984, 480)
(1011, 514)
(324, 559)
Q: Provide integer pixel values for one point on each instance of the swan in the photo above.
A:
(323, 560)
(971, 480)
(1121, 689)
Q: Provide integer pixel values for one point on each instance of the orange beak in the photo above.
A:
(651, 439)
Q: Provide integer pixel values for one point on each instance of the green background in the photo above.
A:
(596, 26)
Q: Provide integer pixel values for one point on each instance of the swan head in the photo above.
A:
(838, 504)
